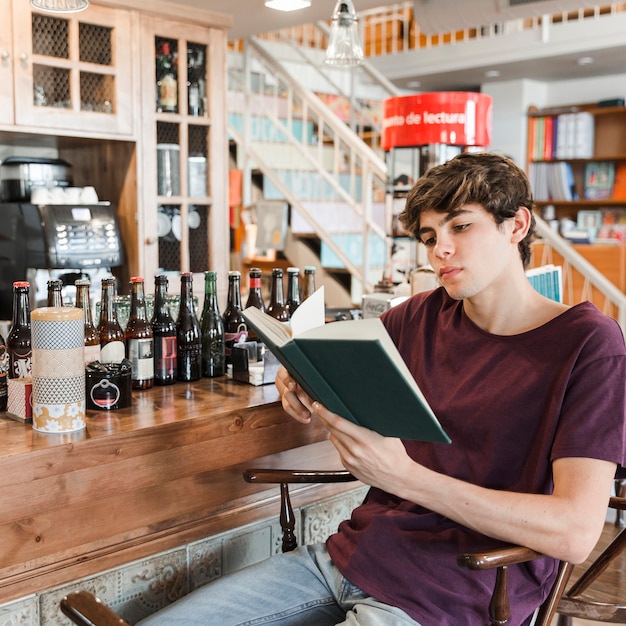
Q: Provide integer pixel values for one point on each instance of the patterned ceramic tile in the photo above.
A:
(247, 548)
(149, 585)
(205, 562)
(322, 519)
(23, 612)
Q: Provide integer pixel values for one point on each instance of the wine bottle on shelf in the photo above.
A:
(277, 307)
(293, 289)
(139, 338)
(309, 281)
(212, 330)
(55, 292)
(167, 82)
(19, 344)
(189, 342)
(195, 67)
(112, 344)
(235, 327)
(164, 334)
(92, 336)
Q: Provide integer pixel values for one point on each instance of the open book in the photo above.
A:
(354, 369)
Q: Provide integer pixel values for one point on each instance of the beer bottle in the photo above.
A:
(112, 346)
(19, 338)
(164, 333)
(4, 366)
(189, 355)
(277, 307)
(255, 297)
(212, 330)
(139, 338)
(55, 295)
(309, 281)
(293, 289)
(92, 336)
(235, 328)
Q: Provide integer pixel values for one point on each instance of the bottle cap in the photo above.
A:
(136, 279)
(82, 282)
(21, 283)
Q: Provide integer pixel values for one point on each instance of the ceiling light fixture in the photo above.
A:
(287, 5)
(344, 44)
(60, 6)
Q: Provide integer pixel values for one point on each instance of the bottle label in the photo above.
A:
(112, 352)
(141, 355)
(165, 357)
(230, 339)
(255, 282)
(169, 92)
(194, 98)
(21, 364)
(92, 353)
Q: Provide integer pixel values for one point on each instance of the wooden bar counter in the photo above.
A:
(161, 473)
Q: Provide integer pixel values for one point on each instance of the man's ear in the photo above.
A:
(521, 224)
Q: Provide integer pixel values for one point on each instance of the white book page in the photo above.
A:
(310, 314)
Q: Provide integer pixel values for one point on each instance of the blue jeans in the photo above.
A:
(294, 589)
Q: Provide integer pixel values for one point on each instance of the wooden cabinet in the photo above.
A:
(184, 200)
(67, 72)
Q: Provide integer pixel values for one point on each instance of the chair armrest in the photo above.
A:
(85, 609)
(263, 475)
(499, 557)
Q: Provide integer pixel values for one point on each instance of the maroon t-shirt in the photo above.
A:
(511, 405)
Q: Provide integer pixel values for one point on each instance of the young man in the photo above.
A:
(532, 394)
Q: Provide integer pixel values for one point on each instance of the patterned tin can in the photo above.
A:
(58, 369)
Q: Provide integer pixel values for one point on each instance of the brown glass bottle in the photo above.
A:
(235, 327)
(293, 289)
(277, 307)
(255, 297)
(92, 336)
(4, 374)
(308, 288)
(164, 333)
(189, 348)
(19, 337)
(112, 345)
(139, 338)
(55, 292)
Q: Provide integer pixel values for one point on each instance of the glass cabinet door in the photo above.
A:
(181, 221)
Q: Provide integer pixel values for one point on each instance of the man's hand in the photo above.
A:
(295, 401)
(375, 460)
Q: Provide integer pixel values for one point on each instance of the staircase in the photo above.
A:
(328, 168)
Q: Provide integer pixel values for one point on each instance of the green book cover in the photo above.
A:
(354, 369)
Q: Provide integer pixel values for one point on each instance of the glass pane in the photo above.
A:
(97, 92)
(196, 79)
(95, 44)
(168, 159)
(169, 232)
(197, 161)
(197, 221)
(166, 66)
(51, 87)
(50, 36)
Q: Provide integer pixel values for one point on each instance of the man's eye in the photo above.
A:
(460, 227)
(429, 241)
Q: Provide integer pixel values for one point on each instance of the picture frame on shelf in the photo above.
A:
(589, 221)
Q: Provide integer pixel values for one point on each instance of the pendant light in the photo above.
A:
(344, 45)
(60, 6)
(287, 5)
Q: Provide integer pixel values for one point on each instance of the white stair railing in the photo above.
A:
(596, 287)
(330, 163)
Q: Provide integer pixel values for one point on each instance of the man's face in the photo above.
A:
(467, 249)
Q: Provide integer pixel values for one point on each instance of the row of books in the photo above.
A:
(547, 280)
(552, 181)
(563, 136)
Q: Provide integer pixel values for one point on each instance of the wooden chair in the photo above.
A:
(85, 609)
